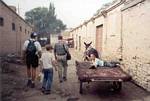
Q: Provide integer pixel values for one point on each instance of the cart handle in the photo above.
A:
(94, 80)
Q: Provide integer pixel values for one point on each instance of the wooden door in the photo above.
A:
(99, 33)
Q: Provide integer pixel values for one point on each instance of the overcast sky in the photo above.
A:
(71, 12)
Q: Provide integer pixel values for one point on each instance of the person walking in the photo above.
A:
(47, 63)
(31, 53)
(60, 52)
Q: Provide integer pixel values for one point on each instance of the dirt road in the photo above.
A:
(14, 89)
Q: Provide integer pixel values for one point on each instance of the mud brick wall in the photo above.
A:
(126, 37)
(136, 42)
(112, 35)
(11, 41)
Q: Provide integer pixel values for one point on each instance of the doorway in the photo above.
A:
(99, 33)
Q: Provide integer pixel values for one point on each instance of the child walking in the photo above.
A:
(47, 62)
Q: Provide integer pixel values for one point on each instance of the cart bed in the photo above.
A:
(102, 73)
(113, 74)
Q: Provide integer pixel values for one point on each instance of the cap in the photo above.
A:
(33, 35)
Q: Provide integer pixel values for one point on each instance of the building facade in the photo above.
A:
(13, 30)
(120, 32)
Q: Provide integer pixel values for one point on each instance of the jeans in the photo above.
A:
(48, 78)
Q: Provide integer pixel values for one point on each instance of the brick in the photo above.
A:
(12, 41)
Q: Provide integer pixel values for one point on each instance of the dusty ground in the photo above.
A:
(14, 89)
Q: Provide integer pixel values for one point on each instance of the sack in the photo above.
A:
(40, 77)
(31, 48)
(68, 57)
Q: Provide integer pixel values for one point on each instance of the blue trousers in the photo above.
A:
(48, 79)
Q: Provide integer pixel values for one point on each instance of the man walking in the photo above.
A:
(60, 52)
(31, 53)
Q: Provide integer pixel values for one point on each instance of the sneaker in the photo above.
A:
(29, 83)
(46, 92)
(32, 85)
(60, 81)
(64, 78)
(42, 89)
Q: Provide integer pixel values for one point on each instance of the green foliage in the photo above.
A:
(45, 20)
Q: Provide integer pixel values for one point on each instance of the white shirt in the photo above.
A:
(37, 45)
(47, 59)
(98, 62)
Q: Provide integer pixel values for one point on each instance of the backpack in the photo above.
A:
(31, 48)
(59, 49)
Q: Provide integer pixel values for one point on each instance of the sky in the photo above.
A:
(71, 12)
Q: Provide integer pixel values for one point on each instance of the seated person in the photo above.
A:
(96, 62)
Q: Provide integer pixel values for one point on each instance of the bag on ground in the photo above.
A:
(40, 77)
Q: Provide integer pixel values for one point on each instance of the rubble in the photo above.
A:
(12, 58)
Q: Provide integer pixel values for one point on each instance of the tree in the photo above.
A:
(36, 17)
(45, 20)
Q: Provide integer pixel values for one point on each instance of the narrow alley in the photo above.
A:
(14, 87)
(108, 33)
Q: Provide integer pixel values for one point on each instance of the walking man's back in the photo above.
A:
(60, 52)
(31, 53)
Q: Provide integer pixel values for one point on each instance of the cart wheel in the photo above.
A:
(117, 86)
(81, 90)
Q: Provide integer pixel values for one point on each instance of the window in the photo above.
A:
(13, 27)
(25, 31)
(1, 21)
(20, 29)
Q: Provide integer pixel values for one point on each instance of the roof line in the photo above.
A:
(105, 10)
(15, 13)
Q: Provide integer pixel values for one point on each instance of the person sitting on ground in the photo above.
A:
(47, 62)
(96, 62)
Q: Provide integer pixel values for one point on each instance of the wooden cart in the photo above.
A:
(111, 74)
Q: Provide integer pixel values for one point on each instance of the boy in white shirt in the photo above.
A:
(47, 62)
